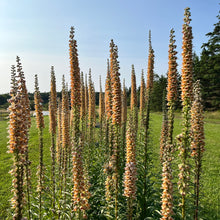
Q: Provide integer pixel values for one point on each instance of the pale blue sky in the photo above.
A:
(38, 32)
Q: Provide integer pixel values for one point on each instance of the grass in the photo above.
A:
(6, 161)
(210, 191)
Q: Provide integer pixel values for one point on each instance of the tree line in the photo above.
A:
(206, 68)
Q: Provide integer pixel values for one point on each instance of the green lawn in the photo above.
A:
(210, 180)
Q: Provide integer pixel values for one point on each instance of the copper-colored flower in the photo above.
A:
(186, 80)
(163, 136)
(81, 192)
(19, 124)
(108, 94)
(197, 124)
(116, 85)
(186, 95)
(86, 96)
(167, 186)
(142, 95)
(150, 70)
(130, 175)
(53, 103)
(74, 74)
(91, 110)
(133, 90)
(124, 104)
(65, 118)
(172, 70)
(83, 103)
(38, 106)
(59, 133)
(101, 103)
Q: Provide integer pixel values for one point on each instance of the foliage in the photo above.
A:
(207, 68)
(209, 179)
(160, 84)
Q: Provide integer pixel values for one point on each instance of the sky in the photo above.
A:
(38, 32)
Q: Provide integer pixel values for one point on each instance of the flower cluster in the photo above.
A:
(74, 74)
(83, 103)
(130, 175)
(197, 124)
(91, 110)
(142, 95)
(133, 89)
(124, 104)
(81, 192)
(163, 136)
(186, 79)
(65, 130)
(38, 106)
(108, 94)
(86, 97)
(197, 141)
(53, 103)
(150, 72)
(101, 103)
(167, 187)
(116, 85)
(172, 71)
(19, 124)
(184, 175)
(59, 133)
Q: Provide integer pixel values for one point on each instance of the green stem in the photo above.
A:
(53, 172)
(28, 184)
(183, 207)
(197, 178)
(145, 149)
(41, 171)
(129, 209)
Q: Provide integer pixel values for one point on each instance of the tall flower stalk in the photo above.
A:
(124, 122)
(65, 135)
(130, 175)
(59, 136)
(166, 152)
(108, 170)
(91, 109)
(82, 107)
(149, 87)
(172, 85)
(101, 111)
(108, 111)
(86, 107)
(166, 158)
(186, 95)
(75, 87)
(134, 105)
(27, 119)
(116, 120)
(142, 97)
(164, 131)
(150, 69)
(53, 125)
(40, 126)
(19, 124)
(80, 192)
(197, 143)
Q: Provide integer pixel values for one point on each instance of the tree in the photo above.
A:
(160, 83)
(208, 69)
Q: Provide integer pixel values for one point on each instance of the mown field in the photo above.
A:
(210, 179)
